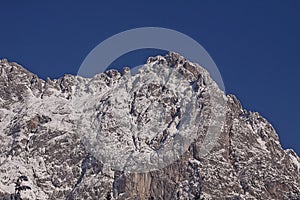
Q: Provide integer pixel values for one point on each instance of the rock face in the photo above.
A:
(50, 150)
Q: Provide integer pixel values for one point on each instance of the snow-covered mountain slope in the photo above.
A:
(80, 138)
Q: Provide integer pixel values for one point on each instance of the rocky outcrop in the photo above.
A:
(45, 133)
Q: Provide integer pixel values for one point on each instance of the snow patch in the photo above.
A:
(262, 144)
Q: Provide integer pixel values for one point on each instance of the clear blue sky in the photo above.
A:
(255, 44)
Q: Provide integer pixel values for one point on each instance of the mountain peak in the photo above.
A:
(75, 138)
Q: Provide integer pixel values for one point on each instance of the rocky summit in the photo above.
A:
(167, 132)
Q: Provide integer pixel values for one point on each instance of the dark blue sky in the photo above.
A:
(255, 44)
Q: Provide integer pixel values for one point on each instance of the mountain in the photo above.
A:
(167, 132)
